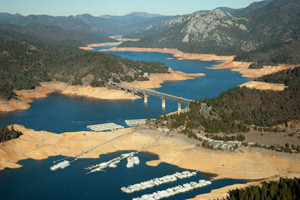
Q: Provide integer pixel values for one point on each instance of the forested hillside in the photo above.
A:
(237, 108)
(284, 189)
(52, 34)
(266, 33)
(24, 64)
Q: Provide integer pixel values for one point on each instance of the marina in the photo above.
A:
(105, 127)
(60, 165)
(157, 181)
(131, 161)
(174, 190)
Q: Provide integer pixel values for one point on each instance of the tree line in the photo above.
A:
(26, 63)
(9, 134)
(234, 110)
(284, 189)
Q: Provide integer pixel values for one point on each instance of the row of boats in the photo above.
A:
(174, 190)
(157, 181)
(131, 161)
(60, 165)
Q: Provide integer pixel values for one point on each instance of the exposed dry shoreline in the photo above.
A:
(24, 97)
(226, 61)
(174, 149)
(264, 86)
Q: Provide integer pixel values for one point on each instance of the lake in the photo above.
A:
(59, 113)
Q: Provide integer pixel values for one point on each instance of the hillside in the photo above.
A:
(52, 34)
(26, 63)
(214, 32)
(104, 25)
(267, 30)
(277, 27)
(236, 109)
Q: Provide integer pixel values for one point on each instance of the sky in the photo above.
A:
(115, 7)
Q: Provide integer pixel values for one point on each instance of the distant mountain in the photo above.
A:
(267, 25)
(71, 23)
(242, 12)
(51, 33)
(103, 25)
(6, 16)
(277, 27)
(213, 32)
(133, 18)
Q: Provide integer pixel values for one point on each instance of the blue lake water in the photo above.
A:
(35, 181)
(58, 113)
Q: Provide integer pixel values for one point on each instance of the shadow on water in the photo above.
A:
(35, 180)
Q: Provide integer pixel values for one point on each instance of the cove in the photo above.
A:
(35, 180)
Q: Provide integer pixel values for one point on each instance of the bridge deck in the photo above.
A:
(152, 93)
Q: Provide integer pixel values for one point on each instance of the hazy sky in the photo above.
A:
(114, 7)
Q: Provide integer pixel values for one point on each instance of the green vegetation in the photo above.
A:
(24, 64)
(51, 35)
(270, 35)
(282, 52)
(287, 148)
(290, 78)
(234, 110)
(9, 134)
(284, 189)
(238, 137)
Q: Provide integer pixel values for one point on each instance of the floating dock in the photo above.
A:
(157, 181)
(105, 127)
(113, 163)
(174, 190)
(136, 122)
(60, 165)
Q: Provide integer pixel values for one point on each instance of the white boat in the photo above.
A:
(60, 165)
(129, 162)
(136, 160)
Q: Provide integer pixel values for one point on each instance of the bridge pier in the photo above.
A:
(179, 106)
(132, 95)
(145, 99)
(163, 104)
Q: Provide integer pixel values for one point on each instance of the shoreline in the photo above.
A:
(227, 62)
(173, 149)
(25, 97)
(264, 86)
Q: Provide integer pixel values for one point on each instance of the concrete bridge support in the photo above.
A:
(145, 99)
(163, 104)
(179, 106)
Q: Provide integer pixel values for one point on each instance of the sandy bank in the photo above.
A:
(120, 38)
(264, 86)
(157, 79)
(176, 53)
(174, 149)
(24, 97)
(226, 61)
(90, 46)
(243, 68)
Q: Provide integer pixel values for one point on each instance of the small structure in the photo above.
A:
(105, 127)
(136, 122)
